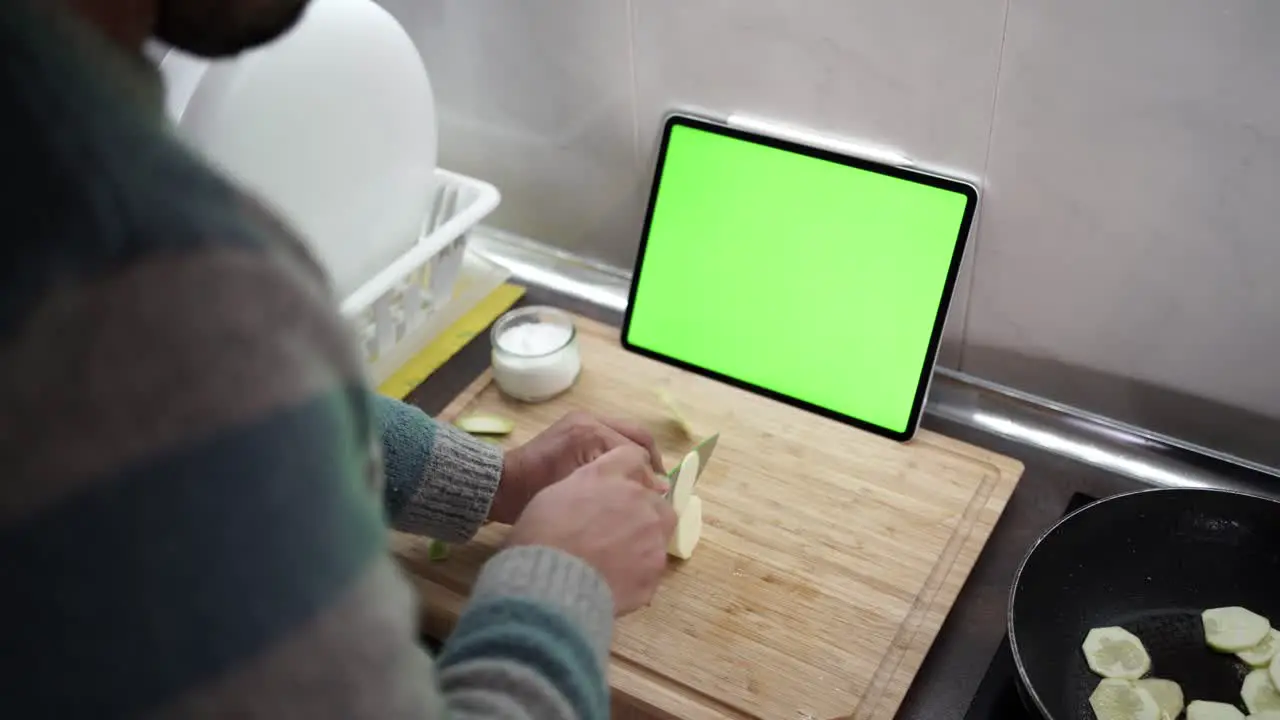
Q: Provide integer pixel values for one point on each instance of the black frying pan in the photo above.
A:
(1150, 562)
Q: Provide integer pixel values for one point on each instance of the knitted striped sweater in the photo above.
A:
(194, 499)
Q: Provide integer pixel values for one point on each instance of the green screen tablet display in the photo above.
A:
(809, 276)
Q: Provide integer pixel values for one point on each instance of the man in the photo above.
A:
(192, 507)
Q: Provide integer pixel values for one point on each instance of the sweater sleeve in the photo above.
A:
(539, 622)
(440, 481)
(239, 565)
(539, 626)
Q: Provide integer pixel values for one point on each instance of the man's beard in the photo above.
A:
(220, 28)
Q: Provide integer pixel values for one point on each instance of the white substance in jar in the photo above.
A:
(535, 360)
(535, 338)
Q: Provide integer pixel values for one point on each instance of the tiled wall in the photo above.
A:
(1127, 257)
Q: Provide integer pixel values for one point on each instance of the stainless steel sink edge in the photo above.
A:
(1024, 419)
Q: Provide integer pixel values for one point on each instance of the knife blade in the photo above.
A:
(704, 451)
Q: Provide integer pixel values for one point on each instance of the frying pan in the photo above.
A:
(1150, 562)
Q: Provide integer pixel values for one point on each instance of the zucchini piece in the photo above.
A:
(682, 482)
(1116, 699)
(485, 425)
(1259, 693)
(1167, 694)
(1265, 715)
(1202, 710)
(1114, 652)
(1232, 629)
(1260, 655)
(688, 530)
(1275, 672)
(437, 550)
(673, 410)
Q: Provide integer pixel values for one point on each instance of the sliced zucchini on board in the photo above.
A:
(437, 551)
(1275, 672)
(677, 417)
(1167, 694)
(1260, 655)
(1259, 693)
(1114, 652)
(688, 530)
(1232, 629)
(485, 425)
(682, 482)
(1202, 710)
(1116, 699)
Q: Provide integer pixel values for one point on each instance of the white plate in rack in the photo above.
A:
(333, 124)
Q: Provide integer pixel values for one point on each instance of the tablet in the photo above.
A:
(813, 278)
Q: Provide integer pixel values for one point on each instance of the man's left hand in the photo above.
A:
(573, 441)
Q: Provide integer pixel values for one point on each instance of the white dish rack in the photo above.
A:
(393, 312)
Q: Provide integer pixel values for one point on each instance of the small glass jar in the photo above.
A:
(535, 353)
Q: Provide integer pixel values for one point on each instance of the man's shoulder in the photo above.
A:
(97, 180)
(145, 302)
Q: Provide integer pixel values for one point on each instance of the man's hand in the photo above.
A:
(572, 442)
(605, 514)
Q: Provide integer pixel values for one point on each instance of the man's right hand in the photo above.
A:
(607, 514)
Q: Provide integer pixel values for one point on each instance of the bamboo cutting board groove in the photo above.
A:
(829, 556)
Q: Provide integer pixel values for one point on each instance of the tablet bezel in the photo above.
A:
(968, 190)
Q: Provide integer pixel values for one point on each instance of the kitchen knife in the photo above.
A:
(704, 451)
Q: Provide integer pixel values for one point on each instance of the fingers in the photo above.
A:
(626, 460)
(659, 484)
(613, 440)
(599, 436)
(631, 462)
(667, 516)
(639, 436)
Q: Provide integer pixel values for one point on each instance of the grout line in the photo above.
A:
(986, 166)
(635, 86)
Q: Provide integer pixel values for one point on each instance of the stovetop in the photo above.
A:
(997, 697)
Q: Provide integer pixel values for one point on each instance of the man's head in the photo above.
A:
(213, 28)
(224, 27)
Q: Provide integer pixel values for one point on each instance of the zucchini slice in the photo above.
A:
(1260, 655)
(677, 417)
(1116, 699)
(1232, 629)
(1114, 652)
(1259, 693)
(1202, 710)
(437, 551)
(688, 530)
(682, 482)
(1167, 694)
(485, 425)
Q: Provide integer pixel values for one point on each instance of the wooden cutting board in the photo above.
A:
(828, 560)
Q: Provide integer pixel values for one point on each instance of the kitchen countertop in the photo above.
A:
(975, 627)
